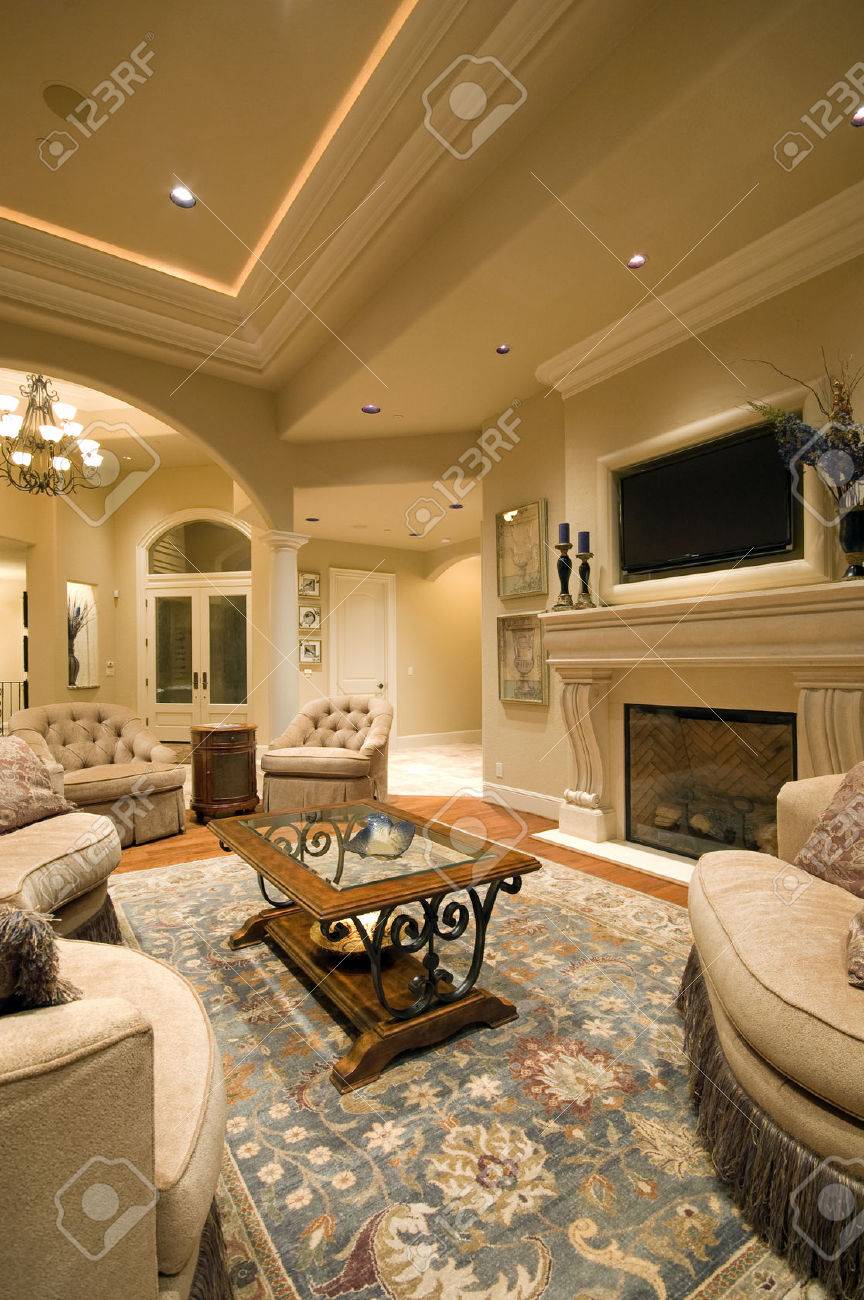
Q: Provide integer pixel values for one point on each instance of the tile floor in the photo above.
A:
(437, 769)
(434, 769)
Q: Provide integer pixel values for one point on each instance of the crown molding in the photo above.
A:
(88, 291)
(814, 242)
(525, 25)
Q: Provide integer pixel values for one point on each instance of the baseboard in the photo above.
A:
(421, 739)
(543, 805)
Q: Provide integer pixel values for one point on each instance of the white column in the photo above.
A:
(284, 677)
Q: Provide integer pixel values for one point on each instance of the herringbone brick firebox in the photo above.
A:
(703, 779)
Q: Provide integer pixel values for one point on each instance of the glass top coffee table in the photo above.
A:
(372, 896)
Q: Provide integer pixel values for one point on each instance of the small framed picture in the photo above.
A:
(310, 585)
(310, 650)
(521, 551)
(310, 618)
(523, 675)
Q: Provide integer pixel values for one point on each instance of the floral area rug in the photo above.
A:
(555, 1156)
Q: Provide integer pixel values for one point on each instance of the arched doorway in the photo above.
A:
(195, 585)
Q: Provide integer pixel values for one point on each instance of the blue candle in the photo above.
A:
(583, 542)
(563, 533)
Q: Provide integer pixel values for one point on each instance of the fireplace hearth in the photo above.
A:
(697, 780)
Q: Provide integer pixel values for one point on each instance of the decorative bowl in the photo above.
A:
(351, 945)
(382, 837)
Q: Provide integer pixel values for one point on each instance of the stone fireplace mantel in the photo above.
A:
(813, 634)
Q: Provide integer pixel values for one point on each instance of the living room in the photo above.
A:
(432, 651)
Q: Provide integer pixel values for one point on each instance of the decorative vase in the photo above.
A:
(74, 667)
(852, 542)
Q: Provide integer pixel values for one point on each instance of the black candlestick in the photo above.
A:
(585, 599)
(565, 569)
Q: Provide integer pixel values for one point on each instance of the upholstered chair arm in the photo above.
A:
(144, 745)
(77, 1198)
(294, 734)
(379, 735)
(800, 804)
(39, 745)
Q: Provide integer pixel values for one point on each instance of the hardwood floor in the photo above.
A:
(199, 842)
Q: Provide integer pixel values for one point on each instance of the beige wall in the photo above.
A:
(437, 634)
(438, 621)
(519, 736)
(557, 458)
(11, 629)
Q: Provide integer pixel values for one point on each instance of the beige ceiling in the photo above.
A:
(385, 515)
(238, 99)
(389, 269)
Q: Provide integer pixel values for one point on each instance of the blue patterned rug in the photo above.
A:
(555, 1156)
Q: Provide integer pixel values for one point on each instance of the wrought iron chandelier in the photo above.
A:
(42, 451)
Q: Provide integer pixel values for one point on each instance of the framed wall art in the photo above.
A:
(309, 585)
(520, 548)
(309, 618)
(82, 635)
(523, 674)
(310, 652)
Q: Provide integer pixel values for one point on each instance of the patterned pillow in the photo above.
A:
(26, 793)
(855, 951)
(835, 849)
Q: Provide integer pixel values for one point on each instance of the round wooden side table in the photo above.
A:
(223, 770)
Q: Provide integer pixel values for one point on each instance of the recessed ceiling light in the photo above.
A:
(445, 541)
(313, 519)
(183, 197)
(502, 349)
(637, 261)
(456, 506)
(370, 409)
(858, 116)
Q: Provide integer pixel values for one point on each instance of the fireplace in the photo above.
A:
(703, 779)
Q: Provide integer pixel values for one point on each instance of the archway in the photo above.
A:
(235, 423)
(194, 628)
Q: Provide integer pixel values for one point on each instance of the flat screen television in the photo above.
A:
(726, 500)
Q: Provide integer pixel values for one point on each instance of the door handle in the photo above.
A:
(195, 681)
(204, 679)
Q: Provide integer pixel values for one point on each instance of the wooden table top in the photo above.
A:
(318, 897)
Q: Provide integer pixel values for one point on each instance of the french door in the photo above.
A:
(198, 655)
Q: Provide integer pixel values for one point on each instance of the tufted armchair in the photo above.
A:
(334, 751)
(109, 763)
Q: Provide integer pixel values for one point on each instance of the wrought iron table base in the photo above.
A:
(374, 998)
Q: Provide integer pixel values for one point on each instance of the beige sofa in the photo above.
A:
(112, 765)
(334, 751)
(113, 1132)
(775, 1039)
(61, 866)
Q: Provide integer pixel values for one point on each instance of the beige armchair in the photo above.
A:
(113, 1136)
(111, 764)
(334, 751)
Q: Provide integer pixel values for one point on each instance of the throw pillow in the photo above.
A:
(26, 793)
(29, 964)
(855, 951)
(835, 849)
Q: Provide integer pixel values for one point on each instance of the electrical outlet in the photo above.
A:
(109, 667)
(410, 671)
(499, 769)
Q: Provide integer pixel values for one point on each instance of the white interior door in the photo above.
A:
(362, 633)
(198, 655)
